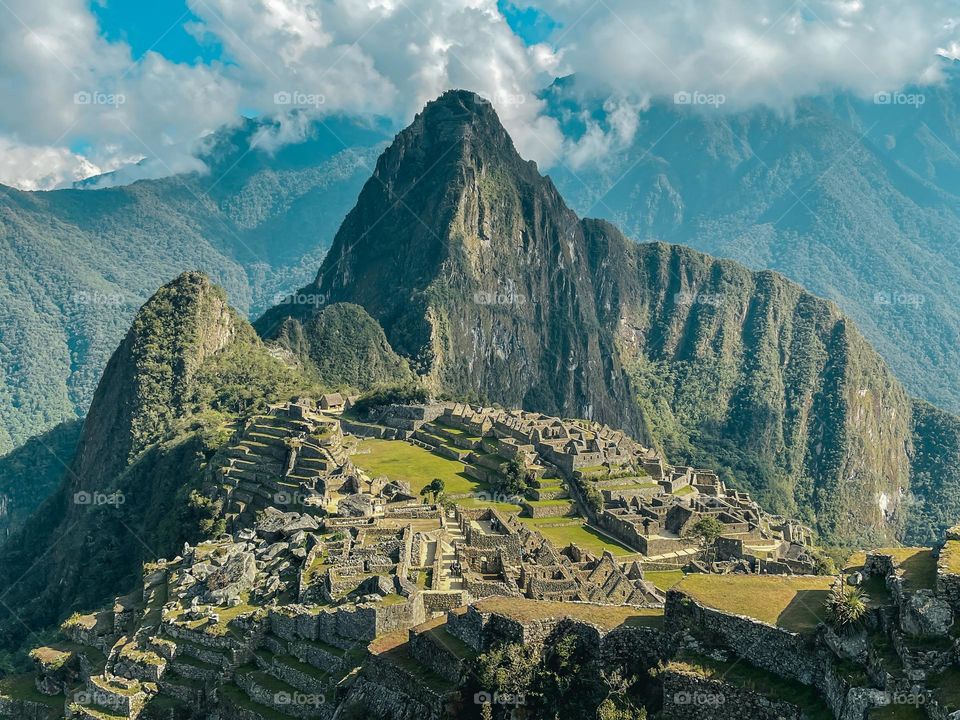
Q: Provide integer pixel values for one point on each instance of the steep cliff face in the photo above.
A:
(476, 270)
(482, 277)
(749, 372)
(148, 379)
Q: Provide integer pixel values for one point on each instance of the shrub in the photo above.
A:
(846, 608)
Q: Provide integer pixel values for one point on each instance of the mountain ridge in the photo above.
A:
(684, 350)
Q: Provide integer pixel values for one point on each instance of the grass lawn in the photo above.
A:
(400, 460)
(663, 579)
(794, 603)
(22, 687)
(918, 564)
(476, 502)
(579, 533)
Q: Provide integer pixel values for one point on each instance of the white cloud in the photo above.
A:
(30, 167)
(392, 56)
(756, 51)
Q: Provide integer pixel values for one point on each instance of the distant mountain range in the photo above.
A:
(483, 285)
(78, 263)
(857, 201)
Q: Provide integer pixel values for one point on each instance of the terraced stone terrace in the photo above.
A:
(792, 603)
(336, 579)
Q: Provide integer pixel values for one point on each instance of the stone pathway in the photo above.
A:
(454, 535)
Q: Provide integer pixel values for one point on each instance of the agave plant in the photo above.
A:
(846, 607)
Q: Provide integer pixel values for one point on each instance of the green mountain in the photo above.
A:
(855, 200)
(492, 288)
(168, 400)
(78, 263)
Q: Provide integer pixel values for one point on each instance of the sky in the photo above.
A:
(89, 87)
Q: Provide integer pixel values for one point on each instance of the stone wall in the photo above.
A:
(691, 697)
(765, 646)
(948, 579)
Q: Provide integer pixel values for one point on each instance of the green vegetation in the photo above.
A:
(396, 394)
(79, 264)
(935, 476)
(168, 406)
(846, 607)
(32, 471)
(567, 680)
(794, 603)
(435, 489)
(707, 529)
(346, 349)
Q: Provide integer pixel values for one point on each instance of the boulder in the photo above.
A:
(923, 613)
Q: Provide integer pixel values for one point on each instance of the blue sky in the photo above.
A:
(157, 25)
(161, 26)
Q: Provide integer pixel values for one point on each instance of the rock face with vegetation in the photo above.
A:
(343, 347)
(855, 200)
(494, 290)
(186, 369)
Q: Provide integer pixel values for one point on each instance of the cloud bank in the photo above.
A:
(76, 104)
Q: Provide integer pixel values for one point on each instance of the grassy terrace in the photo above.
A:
(741, 674)
(605, 616)
(918, 564)
(663, 579)
(400, 460)
(794, 603)
(578, 532)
